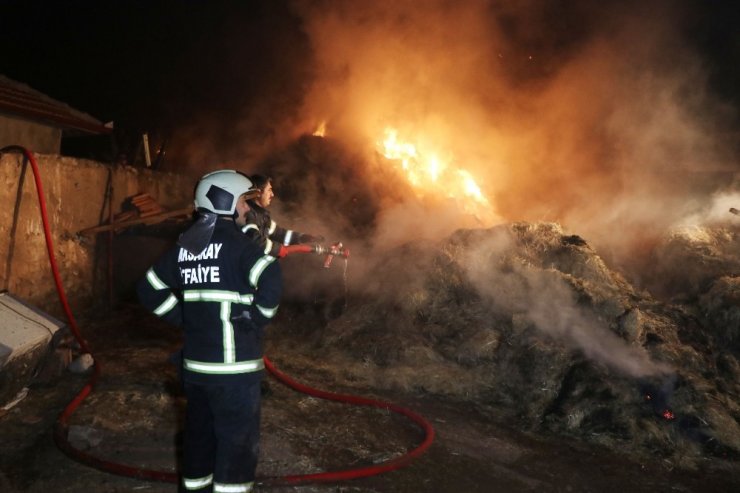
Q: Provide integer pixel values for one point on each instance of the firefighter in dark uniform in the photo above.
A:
(263, 230)
(223, 290)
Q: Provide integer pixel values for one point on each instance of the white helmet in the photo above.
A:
(219, 191)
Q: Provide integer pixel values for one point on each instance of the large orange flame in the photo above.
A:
(431, 175)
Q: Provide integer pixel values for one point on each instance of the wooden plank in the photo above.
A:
(132, 222)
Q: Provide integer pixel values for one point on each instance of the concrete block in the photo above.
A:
(25, 336)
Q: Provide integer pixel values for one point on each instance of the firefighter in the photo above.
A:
(263, 230)
(223, 290)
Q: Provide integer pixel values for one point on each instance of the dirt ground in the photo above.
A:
(134, 414)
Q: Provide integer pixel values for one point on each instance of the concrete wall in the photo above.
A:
(75, 192)
(33, 135)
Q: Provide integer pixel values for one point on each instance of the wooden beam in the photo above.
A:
(141, 220)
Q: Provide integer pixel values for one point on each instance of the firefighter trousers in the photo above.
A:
(221, 437)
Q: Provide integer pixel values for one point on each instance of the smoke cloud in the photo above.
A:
(595, 115)
(598, 117)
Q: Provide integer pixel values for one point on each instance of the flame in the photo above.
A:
(320, 130)
(431, 175)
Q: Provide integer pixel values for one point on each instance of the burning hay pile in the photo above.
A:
(531, 323)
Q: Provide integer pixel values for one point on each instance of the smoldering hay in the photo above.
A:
(548, 300)
(584, 305)
(530, 321)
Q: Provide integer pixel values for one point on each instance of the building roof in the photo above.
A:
(21, 100)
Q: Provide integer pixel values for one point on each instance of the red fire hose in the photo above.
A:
(61, 427)
(358, 401)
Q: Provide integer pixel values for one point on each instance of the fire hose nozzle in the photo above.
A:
(319, 249)
(335, 250)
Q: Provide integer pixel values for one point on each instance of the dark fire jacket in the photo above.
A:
(263, 231)
(223, 298)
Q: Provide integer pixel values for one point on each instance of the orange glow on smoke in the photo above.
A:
(431, 175)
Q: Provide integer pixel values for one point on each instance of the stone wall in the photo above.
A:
(74, 190)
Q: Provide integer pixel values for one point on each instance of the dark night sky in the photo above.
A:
(151, 65)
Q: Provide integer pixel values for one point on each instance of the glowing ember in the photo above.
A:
(668, 414)
(320, 130)
(431, 175)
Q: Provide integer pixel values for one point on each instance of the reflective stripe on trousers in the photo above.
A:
(201, 483)
(247, 366)
(232, 488)
(194, 484)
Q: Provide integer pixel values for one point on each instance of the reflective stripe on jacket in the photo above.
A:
(223, 298)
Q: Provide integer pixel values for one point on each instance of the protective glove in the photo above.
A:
(282, 252)
(306, 238)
